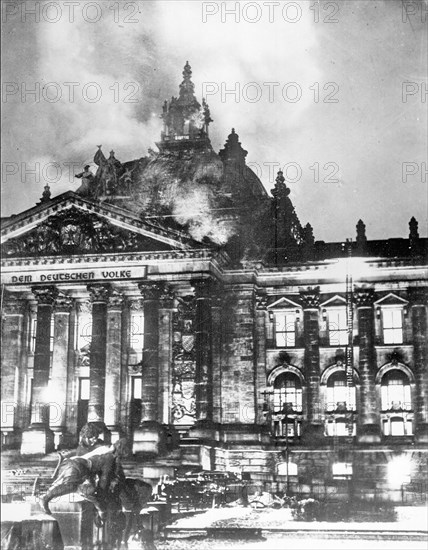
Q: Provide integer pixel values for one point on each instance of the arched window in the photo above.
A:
(339, 396)
(395, 391)
(287, 393)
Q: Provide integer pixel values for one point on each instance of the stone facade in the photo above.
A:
(238, 353)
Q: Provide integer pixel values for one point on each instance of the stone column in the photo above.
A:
(99, 295)
(260, 343)
(150, 436)
(369, 417)
(38, 439)
(60, 354)
(166, 304)
(310, 298)
(203, 333)
(113, 363)
(11, 364)
(418, 302)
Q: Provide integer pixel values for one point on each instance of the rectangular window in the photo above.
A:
(285, 329)
(392, 319)
(337, 327)
(84, 389)
(136, 335)
(34, 335)
(342, 470)
(137, 387)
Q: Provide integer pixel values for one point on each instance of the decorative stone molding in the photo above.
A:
(310, 298)
(364, 297)
(99, 293)
(63, 303)
(45, 295)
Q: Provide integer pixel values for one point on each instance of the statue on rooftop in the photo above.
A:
(108, 173)
(87, 187)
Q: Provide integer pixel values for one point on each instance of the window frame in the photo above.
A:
(393, 329)
(283, 314)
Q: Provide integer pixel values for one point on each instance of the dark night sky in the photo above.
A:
(368, 134)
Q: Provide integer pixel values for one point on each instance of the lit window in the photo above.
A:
(136, 335)
(137, 387)
(342, 470)
(395, 391)
(337, 327)
(339, 395)
(287, 393)
(84, 389)
(285, 329)
(340, 427)
(84, 331)
(392, 319)
(291, 470)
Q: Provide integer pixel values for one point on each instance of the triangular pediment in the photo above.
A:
(335, 301)
(284, 303)
(72, 225)
(391, 300)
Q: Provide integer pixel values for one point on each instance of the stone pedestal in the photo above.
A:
(75, 518)
(149, 438)
(37, 441)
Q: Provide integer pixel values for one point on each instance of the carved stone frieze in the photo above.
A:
(184, 361)
(76, 232)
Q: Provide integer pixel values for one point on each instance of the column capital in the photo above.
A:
(63, 303)
(364, 297)
(115, 300)
(152, 290)
(84, 307)
(166, 297)
(310, 297)
(45, 295)
(14, 305)
(418, 296)
(99, 292)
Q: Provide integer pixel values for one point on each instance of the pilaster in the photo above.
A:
(369, 419)
(310, 298)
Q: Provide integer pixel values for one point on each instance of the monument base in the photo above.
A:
(75, 518)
